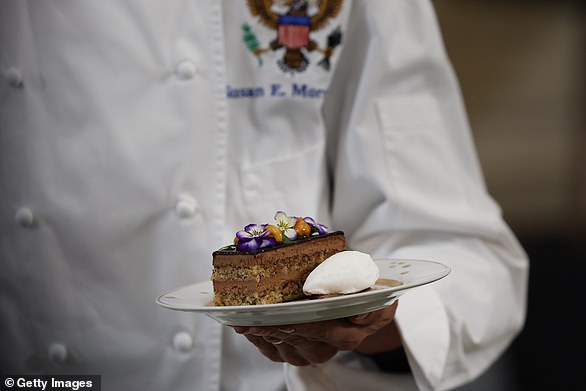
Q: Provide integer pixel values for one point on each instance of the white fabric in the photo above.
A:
(141, 135)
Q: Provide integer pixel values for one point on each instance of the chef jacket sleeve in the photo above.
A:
(407, 184)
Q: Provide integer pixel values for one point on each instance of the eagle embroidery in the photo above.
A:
(293, 30)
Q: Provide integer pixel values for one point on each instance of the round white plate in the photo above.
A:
(411, 272)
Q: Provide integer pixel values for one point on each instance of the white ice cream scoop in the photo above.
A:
(342, 273)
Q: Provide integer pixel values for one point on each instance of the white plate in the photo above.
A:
(412, 273)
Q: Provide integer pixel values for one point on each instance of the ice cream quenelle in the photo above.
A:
(342, 273)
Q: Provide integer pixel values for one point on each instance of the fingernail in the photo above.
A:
(360, 317)
(287, 330)
(240, 329)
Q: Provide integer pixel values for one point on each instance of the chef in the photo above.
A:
(137, 137)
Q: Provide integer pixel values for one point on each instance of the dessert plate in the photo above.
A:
(410, 273)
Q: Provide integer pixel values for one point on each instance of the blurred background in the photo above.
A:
(521, 66)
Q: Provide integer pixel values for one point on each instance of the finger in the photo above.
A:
(278, 332)
(267, 349)
(384, 315)
(290, 354)
(295, 346)
(339, 333)
(271, 330)
(305, 330)
(315, 352)
(363, 319)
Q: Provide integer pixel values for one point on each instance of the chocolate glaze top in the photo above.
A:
(261, 250)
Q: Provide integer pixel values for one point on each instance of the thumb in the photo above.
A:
(361, 319)
(371, 317)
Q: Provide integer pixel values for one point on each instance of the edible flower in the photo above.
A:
(253, 237)
(286, 224)
(286, 230)
(315, 226)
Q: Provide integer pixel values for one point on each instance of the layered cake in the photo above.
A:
(269, 263)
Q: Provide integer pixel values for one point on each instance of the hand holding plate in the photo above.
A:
(317, 342)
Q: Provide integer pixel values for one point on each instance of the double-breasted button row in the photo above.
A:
(185, 208)
(182, 342)
(184, 70)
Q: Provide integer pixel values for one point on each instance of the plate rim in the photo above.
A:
(296, 303)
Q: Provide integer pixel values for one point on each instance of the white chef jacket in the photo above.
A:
(136, 137)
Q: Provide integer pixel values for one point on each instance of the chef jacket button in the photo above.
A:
(186, 208)
(58, 352)
(25, 217)
(185, 70)
(14, 77)
(182, 341)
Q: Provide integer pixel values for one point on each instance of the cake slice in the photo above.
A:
(277, 268)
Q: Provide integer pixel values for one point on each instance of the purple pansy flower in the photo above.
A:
(253, 237)
(320, 228)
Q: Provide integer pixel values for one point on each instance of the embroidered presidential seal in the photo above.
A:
(294, 27)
